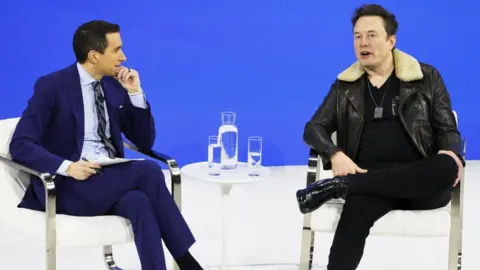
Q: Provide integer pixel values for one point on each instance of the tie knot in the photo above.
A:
(96, 85)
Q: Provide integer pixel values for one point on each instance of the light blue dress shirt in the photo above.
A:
(93, 148)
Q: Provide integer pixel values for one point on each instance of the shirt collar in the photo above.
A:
(85, 77)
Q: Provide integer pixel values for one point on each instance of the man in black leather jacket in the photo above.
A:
(398, 146)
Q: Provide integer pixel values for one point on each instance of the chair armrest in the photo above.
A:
(46, 178)
(50, 201)
(172, 167)
(22, 168)
(313, 171)
(314, 163)
(457, 198)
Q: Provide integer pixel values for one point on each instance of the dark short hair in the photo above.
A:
(389, 19)
(92, 36)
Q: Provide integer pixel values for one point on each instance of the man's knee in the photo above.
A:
(132, 204)
(366, 208)
(448, 164)
(150, 167)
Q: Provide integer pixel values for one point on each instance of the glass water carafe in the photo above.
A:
(228, 136)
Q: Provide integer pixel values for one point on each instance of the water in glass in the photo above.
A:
(254, 155)
(228, 133)
(214, 156)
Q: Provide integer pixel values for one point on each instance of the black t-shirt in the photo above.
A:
(384, 143)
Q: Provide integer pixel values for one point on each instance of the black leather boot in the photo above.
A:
(319, 192)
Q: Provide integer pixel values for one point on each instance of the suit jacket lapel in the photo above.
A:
(74, 92)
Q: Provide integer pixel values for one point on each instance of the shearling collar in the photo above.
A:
(407, 69)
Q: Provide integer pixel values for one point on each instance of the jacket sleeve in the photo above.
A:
(318, 131)
(138, 125)
(443, 120)
(25, 145)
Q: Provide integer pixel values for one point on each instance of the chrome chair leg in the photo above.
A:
(307, 250)
(108, 255)
(51, 221)
(455, 240)
(459, 262)
(308, 236)
(51, 250)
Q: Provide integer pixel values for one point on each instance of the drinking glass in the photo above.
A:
(254, 155)
(214, 152)
(463, 147)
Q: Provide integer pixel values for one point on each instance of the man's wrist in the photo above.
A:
(336, 154)
(62, 170)
(134, 91)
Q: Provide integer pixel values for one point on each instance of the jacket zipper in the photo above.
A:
(405, 126)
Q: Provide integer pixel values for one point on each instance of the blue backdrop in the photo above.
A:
(270, 61)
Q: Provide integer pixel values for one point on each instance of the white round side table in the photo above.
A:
(226, 180)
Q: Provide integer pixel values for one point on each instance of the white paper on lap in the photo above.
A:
(103, 161)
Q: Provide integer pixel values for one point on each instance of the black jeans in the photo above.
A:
(421, 185)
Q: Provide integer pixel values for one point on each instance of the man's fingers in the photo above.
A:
(360, 170)
(121, 71)
(347, 169)
(89, 171)
(93, 165)
(90, 165)
(81, 177)
(456, 182)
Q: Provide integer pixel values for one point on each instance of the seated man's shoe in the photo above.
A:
(319, 192)
(188, 262)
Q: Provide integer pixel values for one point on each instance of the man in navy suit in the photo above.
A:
(78, 113)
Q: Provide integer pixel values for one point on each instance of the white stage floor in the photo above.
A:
(265, 233)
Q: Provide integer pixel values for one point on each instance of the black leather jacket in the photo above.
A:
(424, 111)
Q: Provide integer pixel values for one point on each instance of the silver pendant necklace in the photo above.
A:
(378, 113)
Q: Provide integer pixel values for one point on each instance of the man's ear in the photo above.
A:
(392, 40)
(93, 56)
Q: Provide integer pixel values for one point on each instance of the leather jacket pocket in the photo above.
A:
(424, 135)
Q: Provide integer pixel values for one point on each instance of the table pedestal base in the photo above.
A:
(226, 189)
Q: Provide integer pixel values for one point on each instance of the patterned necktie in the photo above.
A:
(102, 123)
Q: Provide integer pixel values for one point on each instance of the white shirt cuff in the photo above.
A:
(138, 100)
(62, 170)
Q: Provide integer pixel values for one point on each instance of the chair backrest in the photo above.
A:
(327, 174)
(12, 182)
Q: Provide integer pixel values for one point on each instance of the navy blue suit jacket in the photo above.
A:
(51, 128)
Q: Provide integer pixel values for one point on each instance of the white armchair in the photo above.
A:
(441, 222)
(63, 230)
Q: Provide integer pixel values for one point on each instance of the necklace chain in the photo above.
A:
(370, 91)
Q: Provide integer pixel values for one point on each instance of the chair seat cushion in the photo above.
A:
(74, 231)
(71, 231)
(428, 223)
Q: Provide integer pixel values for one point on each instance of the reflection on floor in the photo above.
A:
(264, 233)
